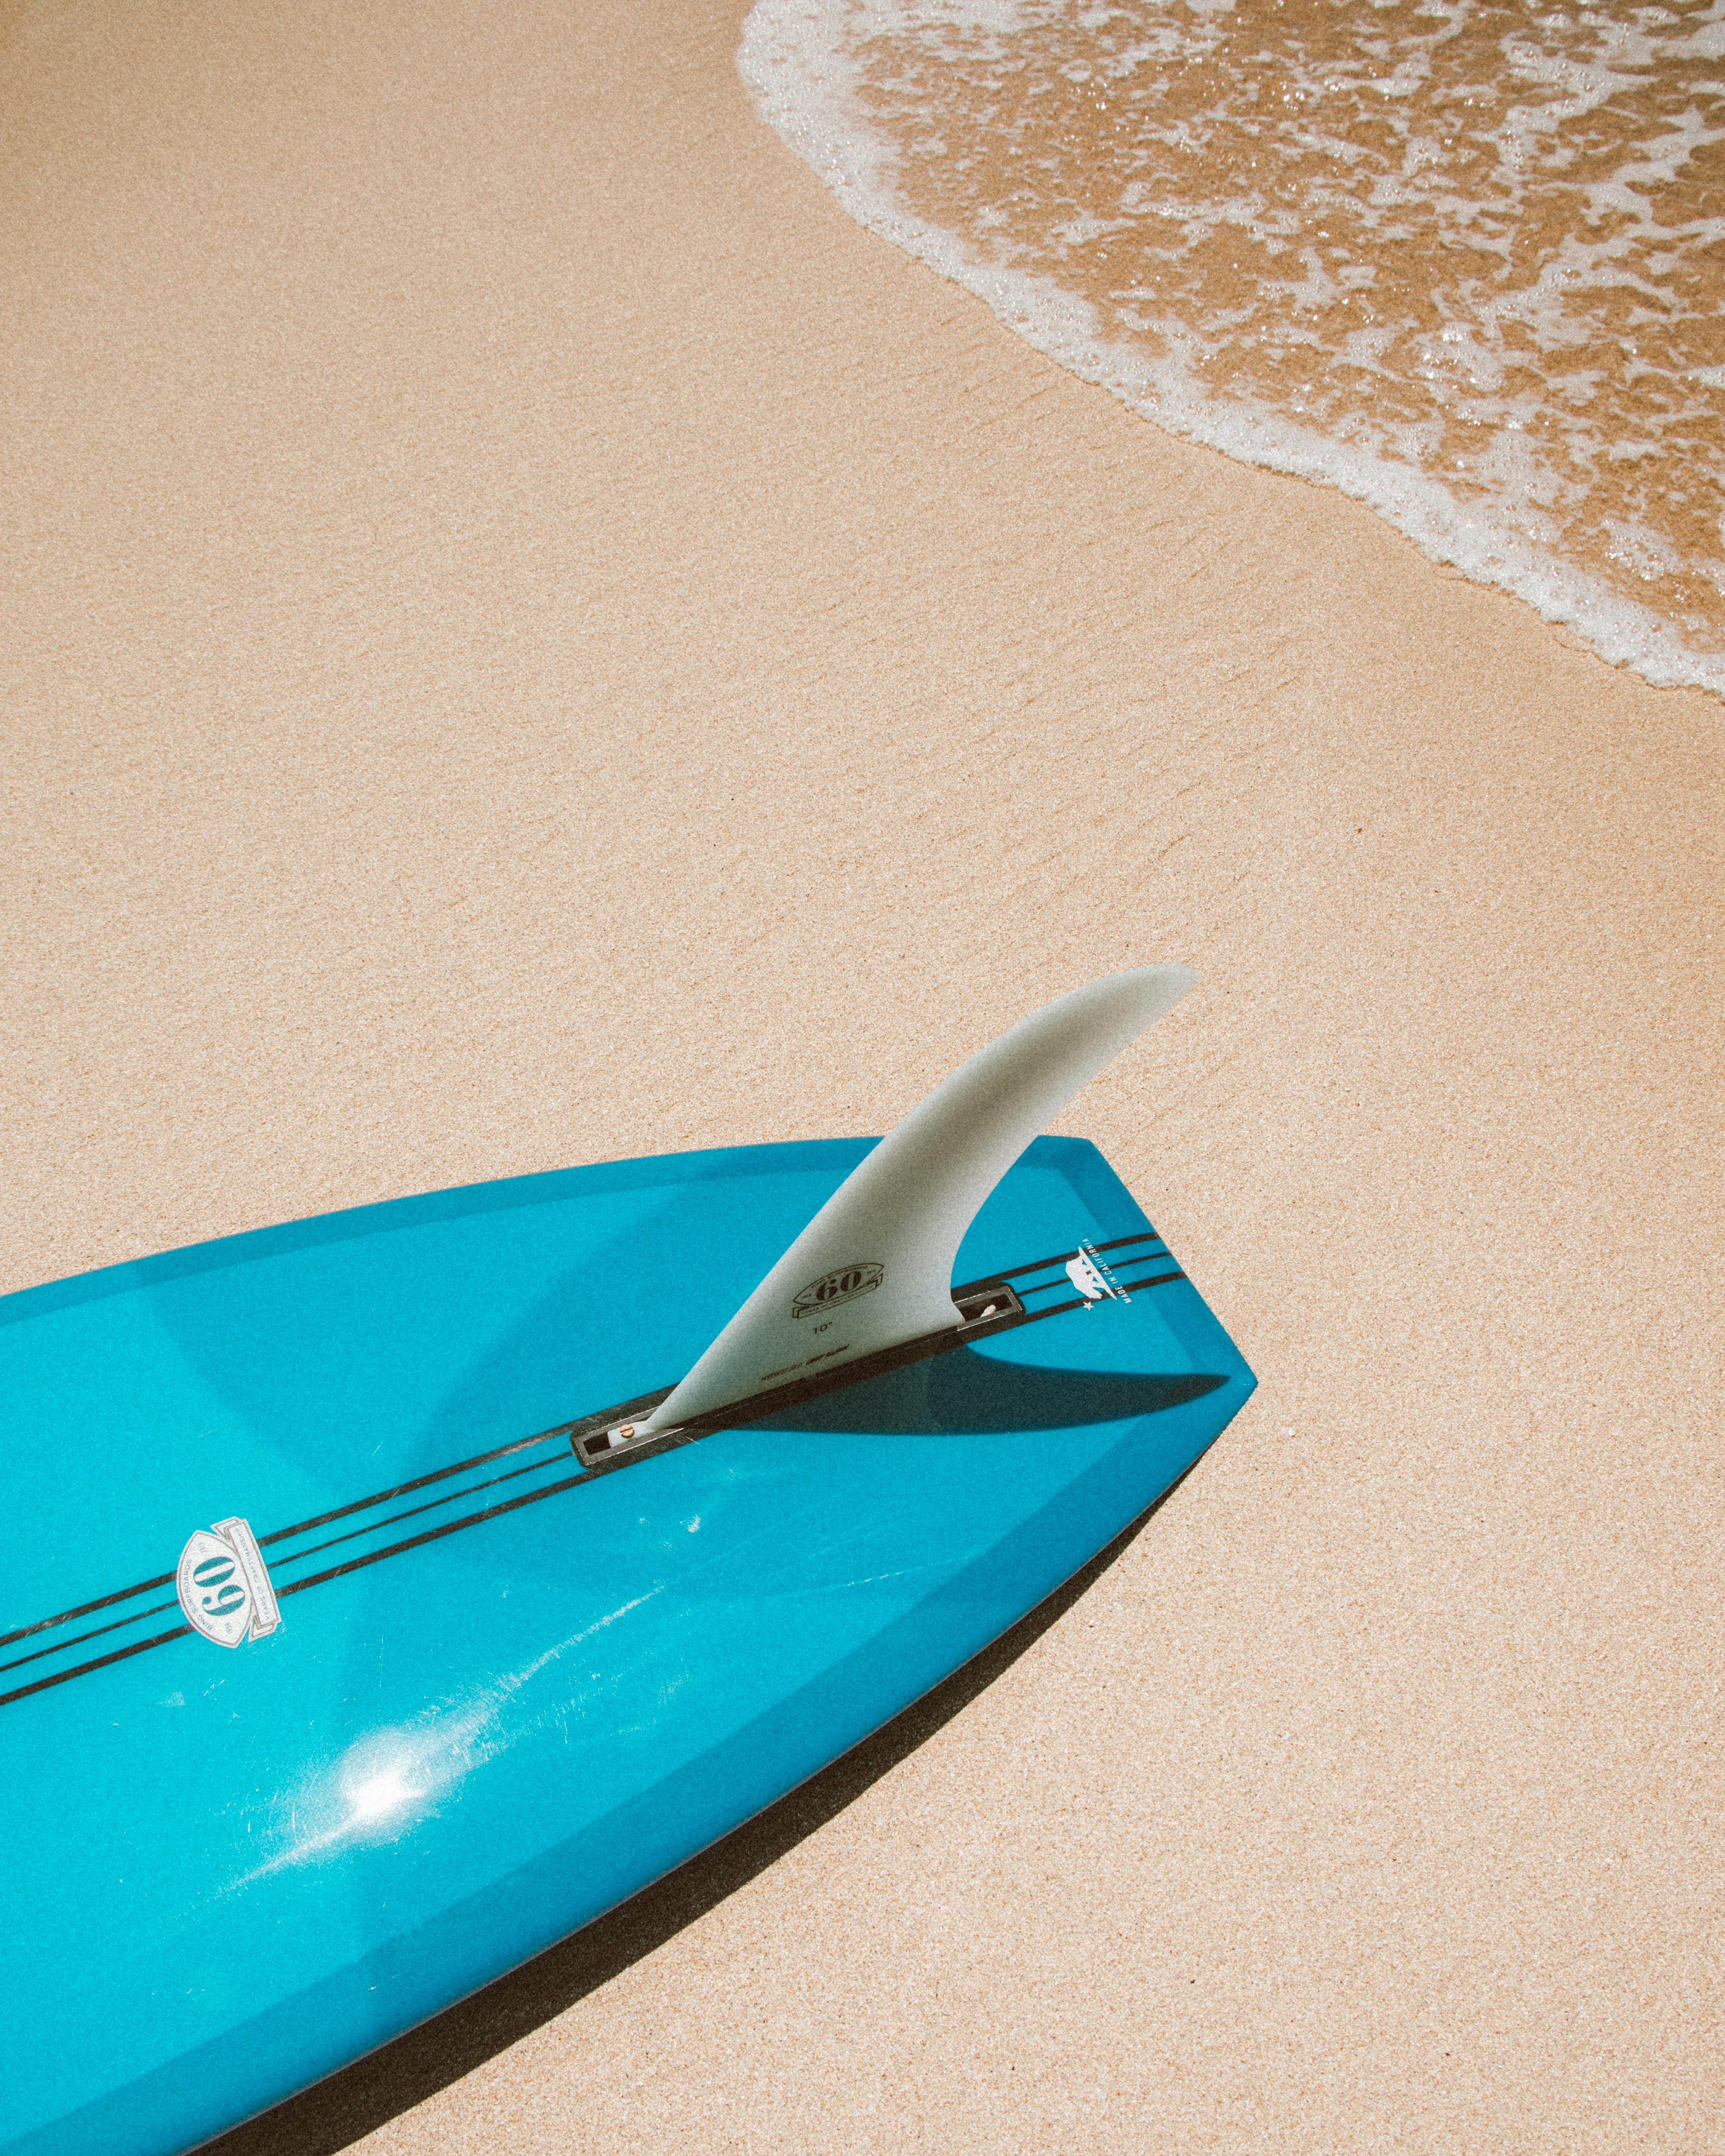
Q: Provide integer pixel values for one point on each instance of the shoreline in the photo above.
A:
(537, 639)
(795, 61)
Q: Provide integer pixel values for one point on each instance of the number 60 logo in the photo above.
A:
(223, 1584)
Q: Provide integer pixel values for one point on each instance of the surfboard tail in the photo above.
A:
(873, 1270)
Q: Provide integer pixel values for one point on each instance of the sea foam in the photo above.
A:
(1458, 259)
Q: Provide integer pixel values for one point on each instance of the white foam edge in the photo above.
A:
(793, 62)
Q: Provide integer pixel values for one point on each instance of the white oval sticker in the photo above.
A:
(211, 1583)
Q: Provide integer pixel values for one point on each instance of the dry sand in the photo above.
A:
(531, 639)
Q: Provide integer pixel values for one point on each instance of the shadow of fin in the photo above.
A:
(966, 1393)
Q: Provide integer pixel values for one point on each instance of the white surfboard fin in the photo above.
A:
(873, 1268)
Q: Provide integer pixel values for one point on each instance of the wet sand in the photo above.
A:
(1459, 262)
(530, 638)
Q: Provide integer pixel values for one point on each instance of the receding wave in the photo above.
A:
(1464, 260)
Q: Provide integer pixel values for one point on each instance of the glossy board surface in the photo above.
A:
(500, 1700)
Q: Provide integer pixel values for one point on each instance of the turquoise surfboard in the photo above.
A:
(364, 1633)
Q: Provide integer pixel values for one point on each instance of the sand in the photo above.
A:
(529, 639)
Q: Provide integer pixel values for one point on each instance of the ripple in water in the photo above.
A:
(1464, 260)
